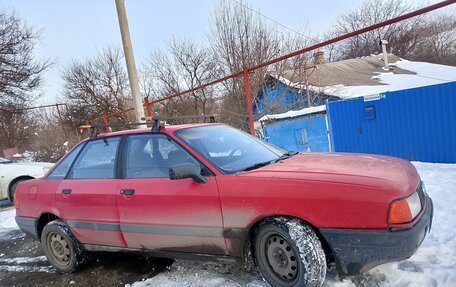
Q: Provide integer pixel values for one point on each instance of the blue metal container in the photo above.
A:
(304, 133)
(416, 124)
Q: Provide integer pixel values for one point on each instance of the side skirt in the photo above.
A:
(162, 253)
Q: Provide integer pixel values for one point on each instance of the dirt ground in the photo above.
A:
(24, 256)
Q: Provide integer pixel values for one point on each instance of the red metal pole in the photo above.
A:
(318, 45)
(148, 109)
(248, 101)
(106, 123)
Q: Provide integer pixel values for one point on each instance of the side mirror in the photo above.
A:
(186, 170)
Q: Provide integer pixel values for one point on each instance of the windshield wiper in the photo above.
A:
(287, 155)
(257, 165)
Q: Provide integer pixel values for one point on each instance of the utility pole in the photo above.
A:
(131, 66)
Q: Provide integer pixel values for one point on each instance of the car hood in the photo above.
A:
(362, 169)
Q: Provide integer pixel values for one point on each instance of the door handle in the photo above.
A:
(127, 191)
(66, 191)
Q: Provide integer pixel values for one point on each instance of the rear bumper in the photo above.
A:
(28, 225)
(357, 251)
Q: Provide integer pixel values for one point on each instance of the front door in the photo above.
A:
(87, 197)
(163, 214)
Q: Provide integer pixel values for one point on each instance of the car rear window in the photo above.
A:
(62, 169)
(97, 160)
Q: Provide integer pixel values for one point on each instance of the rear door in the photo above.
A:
(159, 213)
(87, 197)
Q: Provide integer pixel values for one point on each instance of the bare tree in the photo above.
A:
(16, 127)
(401, 36)
(183, 66)
(438, 43)
(51, 137)
(20, 73)
(240, 38)
(425, 37)
(96, 87)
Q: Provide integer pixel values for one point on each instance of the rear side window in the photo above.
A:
(62, 169)
(97, 160)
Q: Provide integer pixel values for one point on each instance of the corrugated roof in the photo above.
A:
(367, 76)
(352, 72)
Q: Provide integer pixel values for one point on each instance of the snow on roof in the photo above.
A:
(365, 76)
(292, 114)
(427, 74)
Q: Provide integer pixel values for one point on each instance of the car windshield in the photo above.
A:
(4, 160)
(229, 149)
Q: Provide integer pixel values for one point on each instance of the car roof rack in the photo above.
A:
(156, 123)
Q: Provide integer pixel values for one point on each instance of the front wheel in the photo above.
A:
(61, 247)
(289, 253)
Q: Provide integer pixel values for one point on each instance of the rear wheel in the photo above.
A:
(61, 247)
(288, 253)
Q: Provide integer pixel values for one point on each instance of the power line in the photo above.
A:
(338, 49)
(276, 22)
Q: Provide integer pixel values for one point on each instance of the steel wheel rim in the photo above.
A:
(58, 248)
(281, 258)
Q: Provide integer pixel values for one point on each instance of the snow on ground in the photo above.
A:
(434, 264)
(7, 222)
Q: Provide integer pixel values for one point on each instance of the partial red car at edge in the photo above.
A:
(195, 191)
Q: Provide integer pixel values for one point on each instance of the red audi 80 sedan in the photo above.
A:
(210, 190)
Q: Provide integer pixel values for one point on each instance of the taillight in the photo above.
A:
(16, 200)
(404, 210)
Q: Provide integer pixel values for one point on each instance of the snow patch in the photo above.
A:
(7, 223)
(292, 114)
(208, 274)
(19, 268)
(23, 260)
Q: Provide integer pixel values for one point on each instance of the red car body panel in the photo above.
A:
(90, 200)
(159, 203)
(327, 190)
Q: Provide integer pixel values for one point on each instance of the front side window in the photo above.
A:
(62, 169)
(97, 160)
(229, 149)
(149, 156)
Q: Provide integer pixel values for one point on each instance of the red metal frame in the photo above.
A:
(248, 70)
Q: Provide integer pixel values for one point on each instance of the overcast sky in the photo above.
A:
(78, 29)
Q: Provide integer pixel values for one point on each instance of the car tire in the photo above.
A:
(288, 253)
(62, 248)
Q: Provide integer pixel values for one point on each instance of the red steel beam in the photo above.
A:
(237, 74)
(316, 46)
(113, 114)
(248, 101)
(40, 107)
(358, 32)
